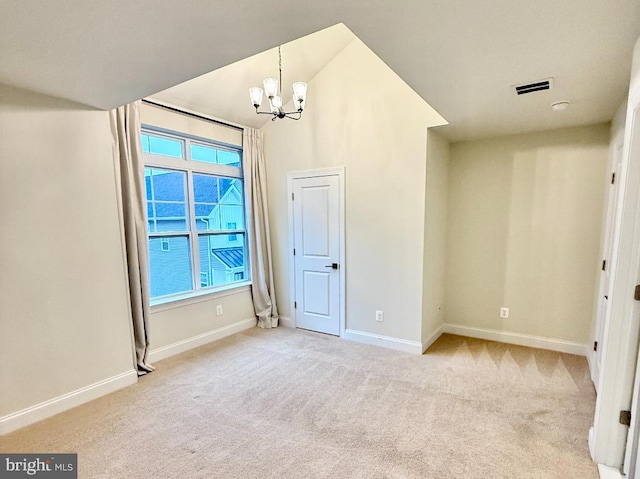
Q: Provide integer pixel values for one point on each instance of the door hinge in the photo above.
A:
(625, 418)
(292, 196)
(595, 345)
(613, 178)
(295, 305)
(294, 251)
(604, 264)
(636, 295)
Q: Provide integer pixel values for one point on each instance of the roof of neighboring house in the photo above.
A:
(231, 257)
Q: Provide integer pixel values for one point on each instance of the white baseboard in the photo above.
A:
(164, 352)
(286, 322)
(517, 338)
(46, 409)
(607, 472)
(384, 341)
(432, 339)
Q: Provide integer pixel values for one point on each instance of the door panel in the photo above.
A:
(317, 293)
(316, 224)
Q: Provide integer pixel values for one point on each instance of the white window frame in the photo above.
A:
(191, 167)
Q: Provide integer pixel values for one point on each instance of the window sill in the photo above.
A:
(185, 299)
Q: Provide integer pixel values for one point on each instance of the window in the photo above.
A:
(195, 213)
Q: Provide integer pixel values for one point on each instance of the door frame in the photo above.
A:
(608, 437)
(338, 171)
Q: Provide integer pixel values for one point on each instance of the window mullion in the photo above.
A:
(193, 235)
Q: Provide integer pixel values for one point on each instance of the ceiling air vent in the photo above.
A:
(533, 87)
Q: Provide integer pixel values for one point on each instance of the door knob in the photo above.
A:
(333, 265)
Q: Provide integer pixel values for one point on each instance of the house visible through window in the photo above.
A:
(195, 197)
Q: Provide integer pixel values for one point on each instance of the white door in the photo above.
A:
(605, 274)
(316, 225)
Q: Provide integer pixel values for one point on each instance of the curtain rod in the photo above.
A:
(194, 115)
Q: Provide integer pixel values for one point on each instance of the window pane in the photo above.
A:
(222, 260)
(162, 146)
(203, 153)
(231, 192)
(167, 210)
(231, 158)
(170, 265)
(207, 217)
(170, 216)
(231, 214)
(205, 188)
(168, 185)
(147, 182)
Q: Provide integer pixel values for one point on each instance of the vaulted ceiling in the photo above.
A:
(461, 56)
(223, 93)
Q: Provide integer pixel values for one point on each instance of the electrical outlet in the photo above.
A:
(379, 315)
(504, 312)
(219, 310)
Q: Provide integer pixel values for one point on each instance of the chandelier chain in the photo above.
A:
(280, 70)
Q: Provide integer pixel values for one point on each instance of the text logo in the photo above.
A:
(52, 466)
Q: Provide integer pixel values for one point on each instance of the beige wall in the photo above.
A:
(435, 240)
(362, 116)
(173, 324)
(178, 322)
(523, 231)
(64, 317)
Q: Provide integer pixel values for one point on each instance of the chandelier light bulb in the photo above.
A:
(276, 102)
(255, 94)
(298, 103)
(270, 87)
(299, 91)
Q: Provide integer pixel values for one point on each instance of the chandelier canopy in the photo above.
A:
(273, 91)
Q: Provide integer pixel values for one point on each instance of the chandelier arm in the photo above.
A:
(264, 112)
(297, 112)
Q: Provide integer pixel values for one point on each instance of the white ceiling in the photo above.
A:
(461, 56)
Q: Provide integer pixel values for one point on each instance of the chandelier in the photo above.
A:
(273, 91)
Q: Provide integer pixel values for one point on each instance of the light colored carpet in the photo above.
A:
(294, 404)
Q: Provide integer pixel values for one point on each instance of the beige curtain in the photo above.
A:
(262, 288)
(129, 166)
